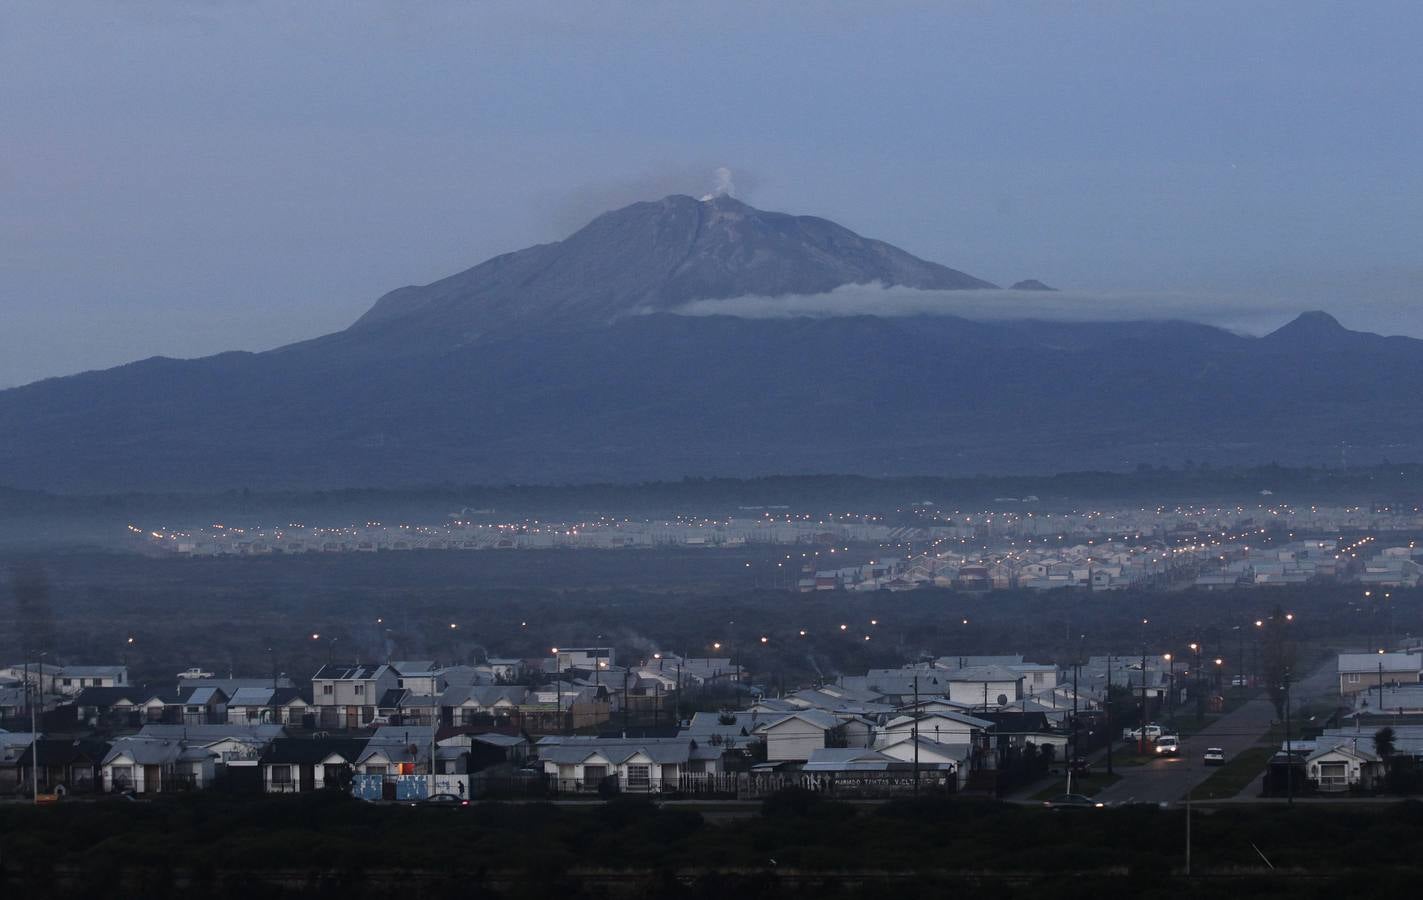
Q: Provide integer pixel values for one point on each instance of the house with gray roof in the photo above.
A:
(150, 765)
(639, 766)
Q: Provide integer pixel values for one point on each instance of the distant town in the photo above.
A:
(1100, 550)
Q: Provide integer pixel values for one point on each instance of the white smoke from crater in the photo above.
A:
(723, 186)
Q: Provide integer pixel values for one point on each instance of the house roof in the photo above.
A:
(958, 752)
(840, 759)
(960, 718)
(209, 734)
(499, 740)
(984, 674)
(264, 696)
(391, 698)
(1391, 662)
(664, 751)
(310, 751)
(144, 751)
(1348, 749)
(817, 718)
(92, 672)
(64, 752)
(358, 672)
(108, 696)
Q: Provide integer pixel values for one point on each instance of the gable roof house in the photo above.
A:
(1343, 767)
(149, 765)
(297, 765)
(186, 706)
(958, 759)
(419, 676)
(792, 738)
(945, 727)
(269, 706)
(70, 680)
(111, 706)
(66, 765)
(346, 695)
(986, 687)
(581, 764)
(1363, 671)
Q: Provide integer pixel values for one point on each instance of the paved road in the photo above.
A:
(1168, 780)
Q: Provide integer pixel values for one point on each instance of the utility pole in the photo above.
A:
(915, 734)
(1076, 752)
(35, 756)
(1107, 709)
(1289, 748)
(35, 740)
(1141, 739)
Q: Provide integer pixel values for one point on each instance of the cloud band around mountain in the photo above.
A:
(1254, 315)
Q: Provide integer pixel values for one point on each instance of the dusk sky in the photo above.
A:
(186, 178)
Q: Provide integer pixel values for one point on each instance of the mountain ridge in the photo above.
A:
(532, 367)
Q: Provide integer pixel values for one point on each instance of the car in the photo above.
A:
(1168, 745)
(1215, 756)
(1080, 768)
(1073, 801)
(1153, 731)
(450, 801)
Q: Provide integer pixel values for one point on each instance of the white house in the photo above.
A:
(1343, 767)
(943, 727)
(149, 765)
(933, 753)
(794, 737)
(583, 763)
(987, 687)
(296, 765)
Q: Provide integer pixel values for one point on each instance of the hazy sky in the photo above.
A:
(184, 178)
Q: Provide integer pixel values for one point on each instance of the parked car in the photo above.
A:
(1168, 745)
(443, 800)
(1153, 731)
(1073, 801)
(1214, 756)
(1080, 768)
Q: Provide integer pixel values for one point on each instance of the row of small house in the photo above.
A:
(1099, 568)
(943, 720)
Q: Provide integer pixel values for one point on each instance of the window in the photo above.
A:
(326, 690)
(594, 774)
(360, 689)
(1352, 678)
(67, 682)
(281, 774)
(122, 776)
(639, 777)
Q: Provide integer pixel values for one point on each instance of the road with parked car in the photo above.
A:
(1181, 763)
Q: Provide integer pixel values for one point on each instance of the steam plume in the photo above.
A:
(723, 185)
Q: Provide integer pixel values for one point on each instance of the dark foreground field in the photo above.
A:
(254, 615)
(795, 845)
